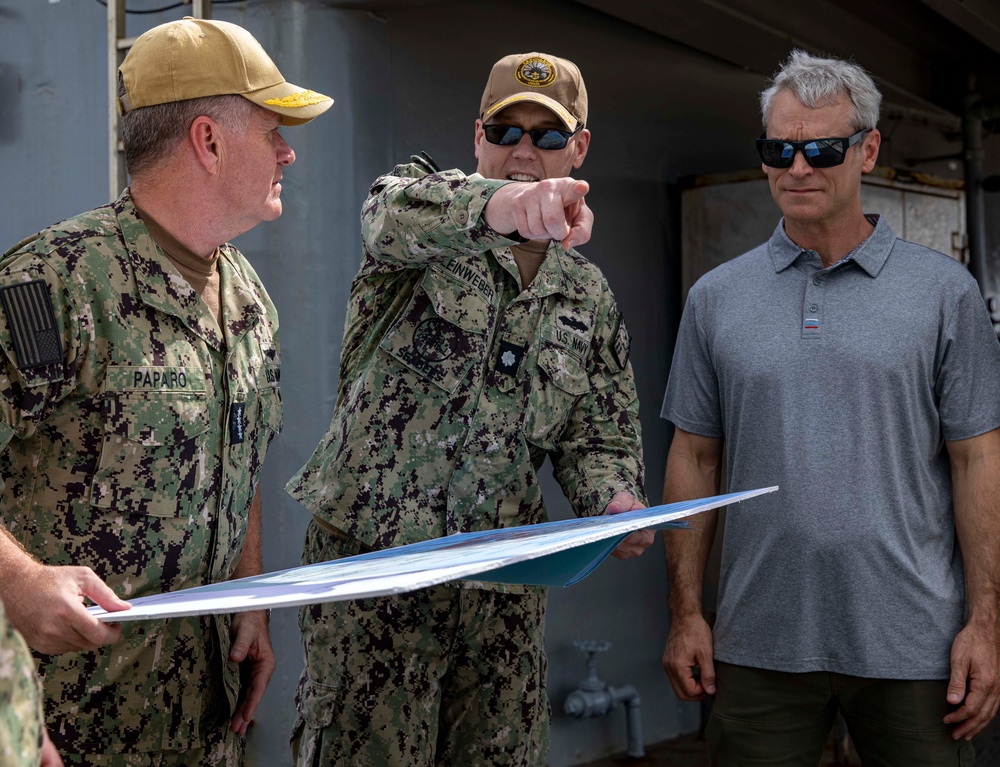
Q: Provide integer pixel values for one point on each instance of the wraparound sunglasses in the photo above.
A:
(543, 138)
(819, 152)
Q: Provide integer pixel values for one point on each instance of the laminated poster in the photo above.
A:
(556, 553)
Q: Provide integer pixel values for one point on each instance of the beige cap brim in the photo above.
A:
(549, 103)
(295, 105)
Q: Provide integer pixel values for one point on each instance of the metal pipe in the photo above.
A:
(584, 704)
(117, 177)
(594, 698)
(633, 721)
(975, 211)
(974, 111)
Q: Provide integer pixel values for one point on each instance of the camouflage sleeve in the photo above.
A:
(599, 454)
(42, 332)
(411, 219)
(20, 700)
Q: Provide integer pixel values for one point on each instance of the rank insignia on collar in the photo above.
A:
(32, 324)
(509, 358)
(237, 425)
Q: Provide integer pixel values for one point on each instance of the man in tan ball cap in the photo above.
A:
(478, 341)
(140, 372)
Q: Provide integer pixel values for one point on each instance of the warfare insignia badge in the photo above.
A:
(572, 322)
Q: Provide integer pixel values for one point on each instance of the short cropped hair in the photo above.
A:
(817, 82)
(150, 133)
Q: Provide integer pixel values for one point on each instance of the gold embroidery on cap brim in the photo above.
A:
(300, 99)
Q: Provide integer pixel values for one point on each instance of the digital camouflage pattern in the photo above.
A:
(136, 453)
(220, 747)
(460, 671)
(454, 386)
(20, 700)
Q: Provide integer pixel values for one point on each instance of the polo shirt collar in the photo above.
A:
(871, 255)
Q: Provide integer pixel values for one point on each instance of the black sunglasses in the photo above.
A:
(819, 152)
(543, 138)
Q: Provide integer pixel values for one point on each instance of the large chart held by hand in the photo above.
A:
(556, 553)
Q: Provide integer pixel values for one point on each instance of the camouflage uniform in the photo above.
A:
(454, 386)
(134, 430)
(20, 701)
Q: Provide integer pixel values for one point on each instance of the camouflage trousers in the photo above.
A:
(222, 749)
(216, 746)
(441, 676)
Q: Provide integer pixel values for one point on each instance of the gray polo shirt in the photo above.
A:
(840, 385)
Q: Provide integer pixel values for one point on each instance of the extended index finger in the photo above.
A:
(581, 220)
(574, 189)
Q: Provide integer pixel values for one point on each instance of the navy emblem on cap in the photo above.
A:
(535, 72)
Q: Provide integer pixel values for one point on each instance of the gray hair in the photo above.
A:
(150, 133)
(817, 82)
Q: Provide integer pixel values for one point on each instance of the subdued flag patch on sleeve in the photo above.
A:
(32, 324)
(623, 343)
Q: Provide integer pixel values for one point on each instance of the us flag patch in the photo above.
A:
(32, 324)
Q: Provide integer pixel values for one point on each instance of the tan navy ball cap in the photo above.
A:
(548, 80)
(192, 58)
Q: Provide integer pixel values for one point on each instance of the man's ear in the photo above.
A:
(580, 147)
(869, 150)
(206, 141)
(479, 136)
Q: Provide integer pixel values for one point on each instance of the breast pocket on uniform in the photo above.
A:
(269, 391)
(441, 333)
(154, 457)
(271, 413)
(558, 383)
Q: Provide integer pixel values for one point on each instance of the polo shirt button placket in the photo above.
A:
(811, 308)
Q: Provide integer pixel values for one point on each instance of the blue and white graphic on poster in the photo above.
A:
(556, 553)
